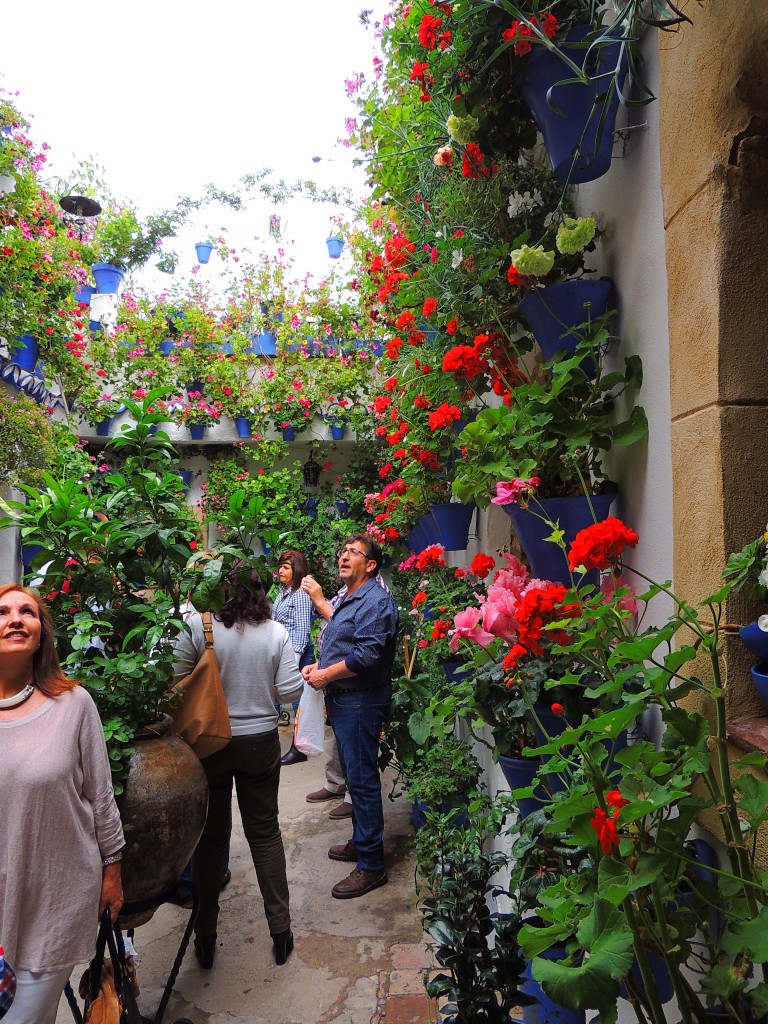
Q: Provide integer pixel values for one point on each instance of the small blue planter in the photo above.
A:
(312, 508)
(108, 278)
(28, 552)
(186, 477)
(342, 506)
(226, 348)
(423, 534)
(337, 433)
(545, 1011)
(167, 346)
(335, 245)
(755, 640)
(569, 116)
(520, 773)
(84, 293)
(553, 312)
(760, 679)
(453, 519)
(289, 433)
(103, 427)
(243, 426)
(196, 431)
(26, 356)
(264, 344)
(195, 387)
(203, 250)
(419, 810)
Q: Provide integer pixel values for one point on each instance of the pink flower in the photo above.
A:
(139, 393)
(608, 587)
(466, 626)
(514, 578)
(511, 490)
(499, 614)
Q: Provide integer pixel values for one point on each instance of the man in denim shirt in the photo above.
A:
(355, 671)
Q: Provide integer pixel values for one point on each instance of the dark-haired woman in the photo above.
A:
(258, 669)
(293, 609)
(60, 831)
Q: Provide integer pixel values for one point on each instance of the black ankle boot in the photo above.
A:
(205, 950)
(293, 756)
(283, 943)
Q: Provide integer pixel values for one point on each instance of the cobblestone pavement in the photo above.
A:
(359, 961)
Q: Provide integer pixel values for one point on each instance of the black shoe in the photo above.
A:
(226, 880)
(205, 950)
(293, 756)
(283, 943)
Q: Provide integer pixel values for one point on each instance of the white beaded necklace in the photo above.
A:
(18, 698)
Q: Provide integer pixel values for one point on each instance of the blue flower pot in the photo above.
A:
(520, 773)
(455, 670)
(342, 506)
(755, 639)
(28, 552)
(167, 346)
(578, 139)
(419, 810)
(264, 546)
(452, 520)
(203, 250)
(84, 293)
(243, 426)
(337, 433)
(760, 679)
(335, 245)
(186, 476)
(226, 348)
(264, 344)
(107, 277)
(26, 356)
(312, 508)
(546, 559)
(423, 534)
(553, 312)
(289, 433)
(103, 427)
(196, 431)
(545, 1011)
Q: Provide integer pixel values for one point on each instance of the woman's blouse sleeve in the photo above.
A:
(295, 613)
(97, 782)
(188, 648)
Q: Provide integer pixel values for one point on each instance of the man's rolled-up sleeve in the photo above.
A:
(375, 626)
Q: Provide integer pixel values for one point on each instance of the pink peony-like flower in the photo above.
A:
(466, 624)
(608, 587)
(500, 614)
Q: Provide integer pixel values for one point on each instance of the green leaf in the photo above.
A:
(750, 937)
(633, 429)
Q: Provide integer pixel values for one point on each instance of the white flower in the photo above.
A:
(457, 258)
(762, 622)
(523, 202)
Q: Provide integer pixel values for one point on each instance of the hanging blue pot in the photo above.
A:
(243, 426)
(342, 506)
(755, 639)
(545, 1011)
(519, 773)
(197, 431)
(264, 546)
(107, 277)
(455, 670)
(94, 325)
(423, 534)
(84, 293)
(226, 348)
(452, 520)
(103, 427)
(203, 250)
(289, 433)
(335, 245)
(28, 552)
(419, 810)
(264, 344)
(553, 312)
(312, 508)
(195, 387)
(26, 356)
(167, 346)
(337, 433)
(186, 476)
(546, 559)
(570, 116)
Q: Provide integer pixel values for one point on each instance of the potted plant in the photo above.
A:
(29, 441)
(441, 777)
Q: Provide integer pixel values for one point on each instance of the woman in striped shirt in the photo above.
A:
(292, 608)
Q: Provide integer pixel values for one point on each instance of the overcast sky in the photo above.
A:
(170, 96)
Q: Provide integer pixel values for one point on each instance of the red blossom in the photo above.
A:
(463, 361)
(482, 564)
(430, 305)
(473, 165)
(605, 829)
(601, 545)
(445, 415)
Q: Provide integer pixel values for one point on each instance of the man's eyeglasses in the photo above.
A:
(352, 551)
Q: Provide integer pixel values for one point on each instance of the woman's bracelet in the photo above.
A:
(114, 858)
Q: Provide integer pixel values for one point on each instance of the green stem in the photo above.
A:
(654, 1005)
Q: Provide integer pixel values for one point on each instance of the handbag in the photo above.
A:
(108, 994)
(201, 717)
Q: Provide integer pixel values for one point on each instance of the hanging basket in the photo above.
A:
(108, 278)
(243, 426)
(203, 250)
(553, 312)
(335, 245)
(453, 520)
(579, 139)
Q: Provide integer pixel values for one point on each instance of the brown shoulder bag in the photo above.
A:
(202, 717)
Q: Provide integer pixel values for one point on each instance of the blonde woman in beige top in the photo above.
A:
(60, 831)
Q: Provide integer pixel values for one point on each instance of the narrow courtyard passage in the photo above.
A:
(355, 961)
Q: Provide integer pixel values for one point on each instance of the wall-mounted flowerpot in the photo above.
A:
(335, 245)
(108, 278)
(243, 426)
(760, 679)
(26, 355)
(28, 552)
(103, 426)
(423, 534)
(553, 312)
(226, 348)
(289, 433)
(203, 250)
(312, 507)
(419, 810)
(186, 477)
(579, 139)
(167, 346)
(546, 559)
(196, 431)
(195, 387)
(520, 774)
(455, 670)
(264, 546)
(84, 293)
(264, 344)
(337, 433)
(755, 637)
(342, 506)
(453, 519)
(544, 1011)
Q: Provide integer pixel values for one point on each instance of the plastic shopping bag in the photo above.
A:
(310, 722)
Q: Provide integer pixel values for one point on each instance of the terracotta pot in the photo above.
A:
(163, 811)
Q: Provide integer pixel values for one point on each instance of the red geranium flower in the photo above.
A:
(605, 829)
(482, 564)
(430, 305)
(599, 546)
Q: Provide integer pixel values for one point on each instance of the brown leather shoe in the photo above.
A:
(343, 851)
(358, 883)
(344, 810)
(321, 795)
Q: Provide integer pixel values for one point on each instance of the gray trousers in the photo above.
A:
(334, 776)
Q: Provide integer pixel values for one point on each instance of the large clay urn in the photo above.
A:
(163, 810)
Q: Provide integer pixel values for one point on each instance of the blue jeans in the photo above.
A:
(357, 719)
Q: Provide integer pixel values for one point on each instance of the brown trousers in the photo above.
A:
(253, 763)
